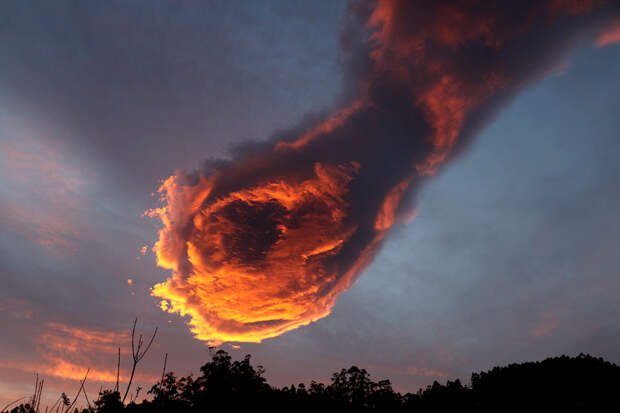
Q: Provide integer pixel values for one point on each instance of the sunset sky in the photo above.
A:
(513, 254)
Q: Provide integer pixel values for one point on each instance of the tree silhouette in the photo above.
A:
(582, 383)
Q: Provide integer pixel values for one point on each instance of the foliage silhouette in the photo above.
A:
(582, 383)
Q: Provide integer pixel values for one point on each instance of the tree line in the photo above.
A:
(582, 383)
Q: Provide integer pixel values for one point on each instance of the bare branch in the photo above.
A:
(118, 369)
(39, 396)
(149, 345)
(86, 397)
(78, 392)
(56, 402)
(137, 354)
(133, 332)
(163, 373)
(36, 387)
(12, 403)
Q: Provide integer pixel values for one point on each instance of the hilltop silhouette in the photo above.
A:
(582, 383)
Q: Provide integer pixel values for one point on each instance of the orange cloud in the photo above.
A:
(227, 280)
(68, 351)
(612, 36)
(264, 243)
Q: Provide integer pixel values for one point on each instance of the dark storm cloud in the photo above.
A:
(265, 242)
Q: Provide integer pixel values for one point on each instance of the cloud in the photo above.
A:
(67, 352)
(265, 242)
(42, 194)
(545, 326)
(612, 36)
(16, 308)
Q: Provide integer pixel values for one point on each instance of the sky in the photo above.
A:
(512, 255)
